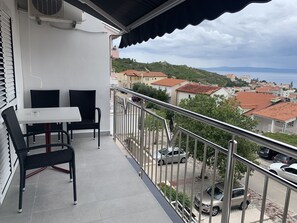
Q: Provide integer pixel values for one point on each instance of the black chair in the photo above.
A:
(44, 99)
(39, 160)
(85, 100)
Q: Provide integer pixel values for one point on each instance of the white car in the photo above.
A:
(169, 155)
(288, 172)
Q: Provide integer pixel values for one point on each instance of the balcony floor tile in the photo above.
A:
(108, 187)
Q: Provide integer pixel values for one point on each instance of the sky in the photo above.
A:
(261, 35)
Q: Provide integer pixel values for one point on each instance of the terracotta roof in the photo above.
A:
(168, 82)
(195, 88)
(283, 111)
(293, 95)
(254, 101)
(144, 73)
(267, 89)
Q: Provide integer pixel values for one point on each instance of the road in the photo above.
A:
(276, 192)
(275, 195)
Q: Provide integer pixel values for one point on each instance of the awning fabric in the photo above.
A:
(142, 20)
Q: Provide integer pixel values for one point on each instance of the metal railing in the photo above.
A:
(181, 177)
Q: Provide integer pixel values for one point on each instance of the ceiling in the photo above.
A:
(141, 20)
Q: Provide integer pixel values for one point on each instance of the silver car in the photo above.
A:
(175, 155)
(218, 195)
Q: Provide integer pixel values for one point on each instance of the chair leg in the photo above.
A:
(98, 138)
(28, 138)
(22, 180)
(70, 171)
(94, 134)
(74, 181)
(71, 135)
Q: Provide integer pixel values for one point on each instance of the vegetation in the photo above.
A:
(282, 137)
(223, 110)
(151, 92)
(177, 71)
(167, 190)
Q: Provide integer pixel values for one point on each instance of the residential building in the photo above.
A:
(232, 77)
(281, 117)
(274, 90)
(75, 54)
(192, 89)
(169, 85)
(250, 102)
(129, 77)
(246, 78)
(287, 93)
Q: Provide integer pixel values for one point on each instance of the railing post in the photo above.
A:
(228, 182)
(114, 115)
(141, 137)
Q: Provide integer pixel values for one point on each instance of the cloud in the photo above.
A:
(260, 35)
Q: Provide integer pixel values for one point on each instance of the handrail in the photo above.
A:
(265, 141)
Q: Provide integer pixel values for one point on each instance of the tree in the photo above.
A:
(223, 110)
(151, 92)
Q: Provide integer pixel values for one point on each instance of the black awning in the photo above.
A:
(147, 19)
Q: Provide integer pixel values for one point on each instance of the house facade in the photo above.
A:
(190, 90)
(50, 54)
(169, 85)
(130, 77)
(278, 118)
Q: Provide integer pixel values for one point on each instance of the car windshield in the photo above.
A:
(163, 151)
(281, 157)
(218, 193)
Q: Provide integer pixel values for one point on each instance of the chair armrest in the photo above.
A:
(45, 146)
(99, 114)
(48, 131)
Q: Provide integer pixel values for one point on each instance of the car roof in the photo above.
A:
(294, 165)
(236, 185)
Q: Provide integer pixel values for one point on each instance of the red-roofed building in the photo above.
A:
(251, 102)
(192, 89)
(169, 85)
(274, 90)
(281, 117)
(129, 77)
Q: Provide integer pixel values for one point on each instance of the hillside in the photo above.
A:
(177, 71)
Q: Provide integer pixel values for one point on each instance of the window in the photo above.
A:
(7, 73)
(7, 95)
(238, 193)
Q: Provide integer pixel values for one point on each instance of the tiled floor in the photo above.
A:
(109, 191)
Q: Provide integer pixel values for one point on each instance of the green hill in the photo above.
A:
(177, 71)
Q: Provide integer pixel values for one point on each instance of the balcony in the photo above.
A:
(124, 182)
(109, 190)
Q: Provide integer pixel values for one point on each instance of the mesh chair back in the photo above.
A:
(85, 100)
(15, 132)
(45, 98)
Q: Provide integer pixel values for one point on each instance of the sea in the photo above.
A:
(277, 77)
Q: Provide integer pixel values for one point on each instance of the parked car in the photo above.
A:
(267, 153)
(175, 155)
(236, 200)
(185, 212)
(288, 172)
(282, 158)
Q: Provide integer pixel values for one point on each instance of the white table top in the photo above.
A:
(48, 115)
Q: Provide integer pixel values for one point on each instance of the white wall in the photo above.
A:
(64, 59)
(183, 95)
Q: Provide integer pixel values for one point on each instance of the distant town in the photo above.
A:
(273, 106)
